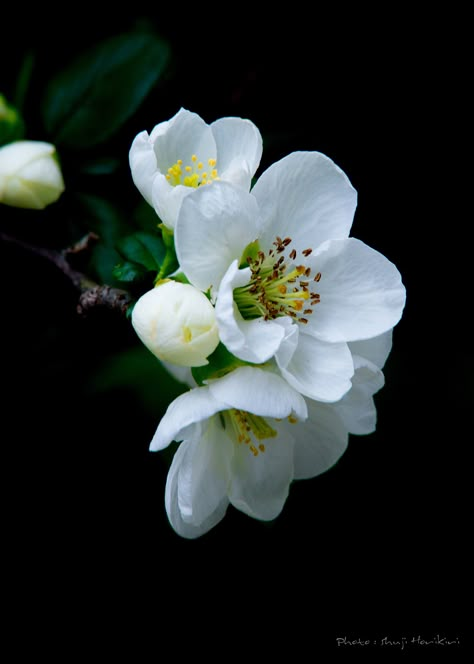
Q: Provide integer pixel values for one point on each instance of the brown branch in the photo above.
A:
(104, 296)
(92, 294)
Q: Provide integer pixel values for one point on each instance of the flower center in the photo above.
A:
(192, 175)
(277, 286)
(250, 429)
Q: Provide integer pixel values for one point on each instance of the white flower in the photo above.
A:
(177, 323)
(247, 435)
(30, 176)
(184, 153)
(287, 280)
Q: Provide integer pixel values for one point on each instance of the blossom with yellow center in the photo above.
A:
(184, 153)
(247, 435)
(287, 281)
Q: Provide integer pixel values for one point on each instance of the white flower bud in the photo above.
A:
(30, 176)
(177, 323)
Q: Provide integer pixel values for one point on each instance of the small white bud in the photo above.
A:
(30, 176)
(177, 323)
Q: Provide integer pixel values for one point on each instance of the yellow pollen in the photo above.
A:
(298, 305)
(211, 162)
(292, 419)
(282, 289)
(191, 175)
(254, 450)
(261, 447)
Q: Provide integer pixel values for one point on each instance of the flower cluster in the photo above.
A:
(281, 321)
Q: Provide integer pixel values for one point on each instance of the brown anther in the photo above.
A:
(249, 260)
(307, 252)
(318, 276)
(313, 302)
(293, 254)
(308, 311)
(304, 283)
(287, 241)
(307, 272)
(315, 295)
(303, 320)
(275, 274)
(261, 255)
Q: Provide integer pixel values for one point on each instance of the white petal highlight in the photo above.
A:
(258, 391)
(377, 349)
(260, 484)
(143, 165)
(239, 150)
(357, 408)
(250, 340)
(320, 441)
(214, 227)
(190, 530)
(361, 292)
(317, 369)
(307, 197)
(187, 409)
(181, 137)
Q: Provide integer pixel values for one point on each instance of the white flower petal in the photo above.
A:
(361, 292)
(167, 200)
(320, 440)
(187, 409)
(357, 408)
(188, 530)
(181, 137)
(181, 374)
(258, 391)
(317, 369)
(377, 349)
(204, 474)
(260, 484)
(239, 150)
(143, 165)
(250, 340)
(306, 197)
(214, 227)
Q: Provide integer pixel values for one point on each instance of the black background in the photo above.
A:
(378, 545)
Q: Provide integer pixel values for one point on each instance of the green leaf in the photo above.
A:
(89, 100)
(128, 272)
(142, 248)
(103, 218)
(102, 263)
(101, 166)
(12, 127)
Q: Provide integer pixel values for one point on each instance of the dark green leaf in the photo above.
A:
(145, 217)
(104, 166)
(142, 248)
(103, 218)
(128, 272)
(89, 100)
(102, 264)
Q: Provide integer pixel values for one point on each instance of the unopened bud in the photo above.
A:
(177, 323)
(30, 176)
